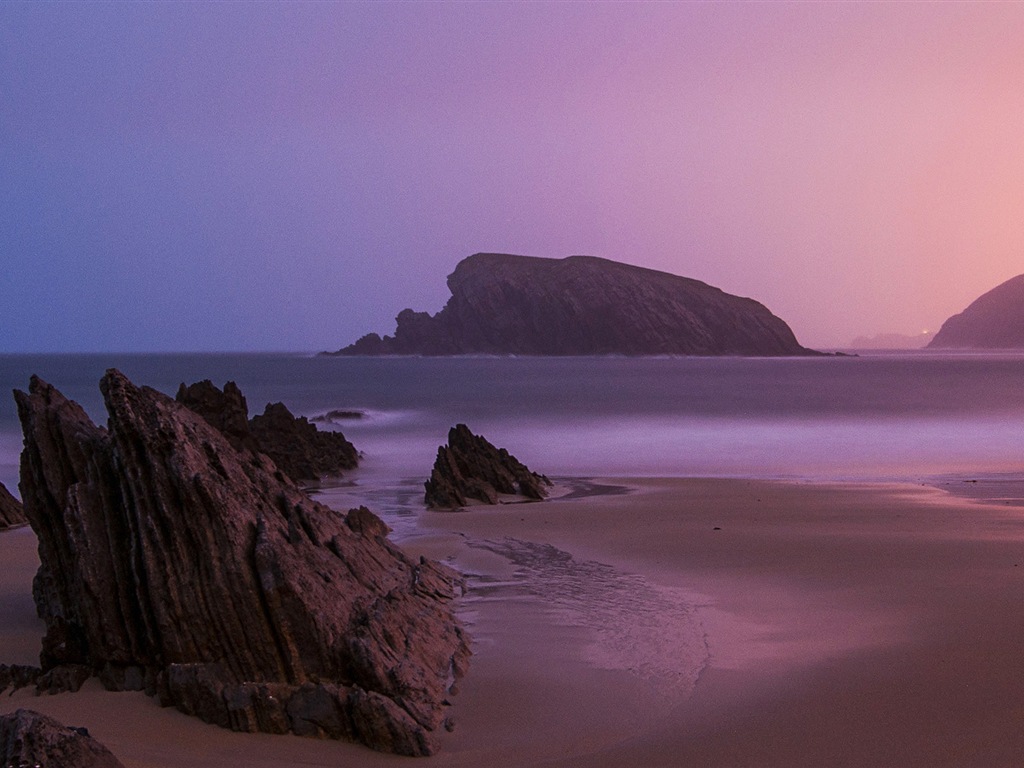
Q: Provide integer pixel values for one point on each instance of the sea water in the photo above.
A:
(887, 417)
(902, 417)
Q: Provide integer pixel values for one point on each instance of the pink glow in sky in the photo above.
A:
(289, 176)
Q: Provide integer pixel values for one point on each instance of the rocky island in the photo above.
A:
(174, 563)
(503, 304)
(995, 320)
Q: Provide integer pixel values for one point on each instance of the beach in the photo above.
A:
(675, 622)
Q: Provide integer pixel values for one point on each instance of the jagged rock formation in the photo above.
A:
(297, 447)
(225, 409)
(17, 676)
(582, 305)
(175, 564)
(469, 467)
(31, 740)
(11, 511)
(995, 320)
(63, 678)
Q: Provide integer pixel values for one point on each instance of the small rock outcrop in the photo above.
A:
(173, 563)
(297, 447)
(17, 676)
(503, 304)
(994, 320)
(32, 740)
(469, 467)
(11, 511)
(224, 409)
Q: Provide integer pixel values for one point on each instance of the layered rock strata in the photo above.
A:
(224, 409)
(32, 740)
(11, 511)
(470, 467)
(174, 563)
(297, 447)
(503, 304)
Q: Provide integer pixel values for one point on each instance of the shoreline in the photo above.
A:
(714, 622)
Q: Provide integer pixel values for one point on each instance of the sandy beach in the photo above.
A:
(676, 623)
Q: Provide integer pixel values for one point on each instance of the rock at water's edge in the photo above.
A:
(502, 304)
(469, 467)
(224, 409)
(173, 563)
(297, 447)
(32, 740)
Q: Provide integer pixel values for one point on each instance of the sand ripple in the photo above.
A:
(650, 630)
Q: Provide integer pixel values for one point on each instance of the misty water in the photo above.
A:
(917, 417)
(943, 419)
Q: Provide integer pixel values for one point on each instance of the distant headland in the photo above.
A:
(502, 304)
(994, 320)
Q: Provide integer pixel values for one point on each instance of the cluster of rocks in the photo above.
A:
(179, 557)
(297, 447)
(177, 560)
(11, 511)
(504, 304)
(469, 467)
(32, 740)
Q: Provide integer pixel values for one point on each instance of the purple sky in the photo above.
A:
(288, 176)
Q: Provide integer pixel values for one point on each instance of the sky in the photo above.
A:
(203, 176)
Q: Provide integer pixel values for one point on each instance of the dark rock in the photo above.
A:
(370, 344)
(297, 447)
(321, 711)
(127, 677)
(361, 520)
(31, 740)
(378, 719)
(338, 415)
(259, 707)
(173, 561)
(66, 678)
(226, 410)
(995, 320)
(469, 467)
(520, 305)
(11, 511)
(18, 676)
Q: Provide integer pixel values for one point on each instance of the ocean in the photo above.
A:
(908, 417)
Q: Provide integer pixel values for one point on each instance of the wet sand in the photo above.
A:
(687, 622)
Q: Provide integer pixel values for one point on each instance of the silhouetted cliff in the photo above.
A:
(993, 321)
(582, 305)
